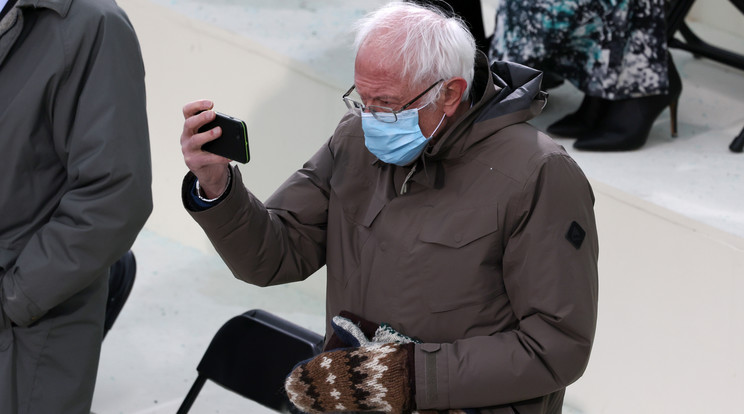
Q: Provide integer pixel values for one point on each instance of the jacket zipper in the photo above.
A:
(404, 187)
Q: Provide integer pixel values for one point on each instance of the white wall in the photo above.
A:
(720, 14)
(288, 108)
(671, 318)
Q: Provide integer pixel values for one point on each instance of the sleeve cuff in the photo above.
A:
(192, 197)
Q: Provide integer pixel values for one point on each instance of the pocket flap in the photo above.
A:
(458, 228)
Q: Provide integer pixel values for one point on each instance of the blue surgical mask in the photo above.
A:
(399, 142)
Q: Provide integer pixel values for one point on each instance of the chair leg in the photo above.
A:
(676, 15)
(191, 396)
(738, 143)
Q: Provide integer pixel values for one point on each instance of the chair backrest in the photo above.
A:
(121, 279)
(253, 353)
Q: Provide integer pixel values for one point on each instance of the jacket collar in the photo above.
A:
(61, 7)
(502, 95)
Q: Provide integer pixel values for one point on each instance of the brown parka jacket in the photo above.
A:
(486, 249)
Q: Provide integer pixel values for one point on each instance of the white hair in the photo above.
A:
(425, 42)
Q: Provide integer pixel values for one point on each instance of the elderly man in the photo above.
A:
(465, 233)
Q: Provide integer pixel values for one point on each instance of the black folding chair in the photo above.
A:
(692, 43)
(121, 280)
(251, 355)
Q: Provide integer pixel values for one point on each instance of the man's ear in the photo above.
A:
(452, 91)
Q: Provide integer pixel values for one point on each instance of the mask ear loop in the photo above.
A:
(443, 116)
(404, 187)
(438, 125)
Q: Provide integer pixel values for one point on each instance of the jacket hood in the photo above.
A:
(505, 94)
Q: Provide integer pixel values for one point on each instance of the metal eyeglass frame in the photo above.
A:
(381, 113)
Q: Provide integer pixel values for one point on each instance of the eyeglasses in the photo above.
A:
(381, 113)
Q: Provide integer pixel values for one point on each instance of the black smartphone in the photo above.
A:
(233, 143)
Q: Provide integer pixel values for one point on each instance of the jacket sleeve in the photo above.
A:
(279, 242)
(98, 117)
(550, 276)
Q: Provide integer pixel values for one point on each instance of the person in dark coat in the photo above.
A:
(75, 180)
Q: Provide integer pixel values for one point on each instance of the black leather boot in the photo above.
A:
(577, 124)
(627, 122)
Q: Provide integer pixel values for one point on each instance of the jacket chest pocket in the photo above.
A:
(461, 227)
(357, 200)
(463, 259)
(349, 222)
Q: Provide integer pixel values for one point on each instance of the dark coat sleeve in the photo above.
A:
(264, 244)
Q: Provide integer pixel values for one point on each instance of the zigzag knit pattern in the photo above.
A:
(386, 334)
(369, 378)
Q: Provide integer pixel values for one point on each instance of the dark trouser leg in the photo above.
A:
(56, 359)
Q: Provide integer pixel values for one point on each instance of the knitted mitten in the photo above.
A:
(368, 378)
(353, 334)
(352, 330)
(386, 334)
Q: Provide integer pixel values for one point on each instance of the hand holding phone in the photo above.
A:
(233, 143)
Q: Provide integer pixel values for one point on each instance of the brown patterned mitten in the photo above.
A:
(367, 378)
(368, 329)
(350, 330)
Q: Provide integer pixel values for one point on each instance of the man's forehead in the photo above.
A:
(377, 62)
(372, 80)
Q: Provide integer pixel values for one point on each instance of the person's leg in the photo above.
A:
(626, 123)
(57, 357)
(613, 52)
(637, 78)
(583, 120)
(535, 34)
